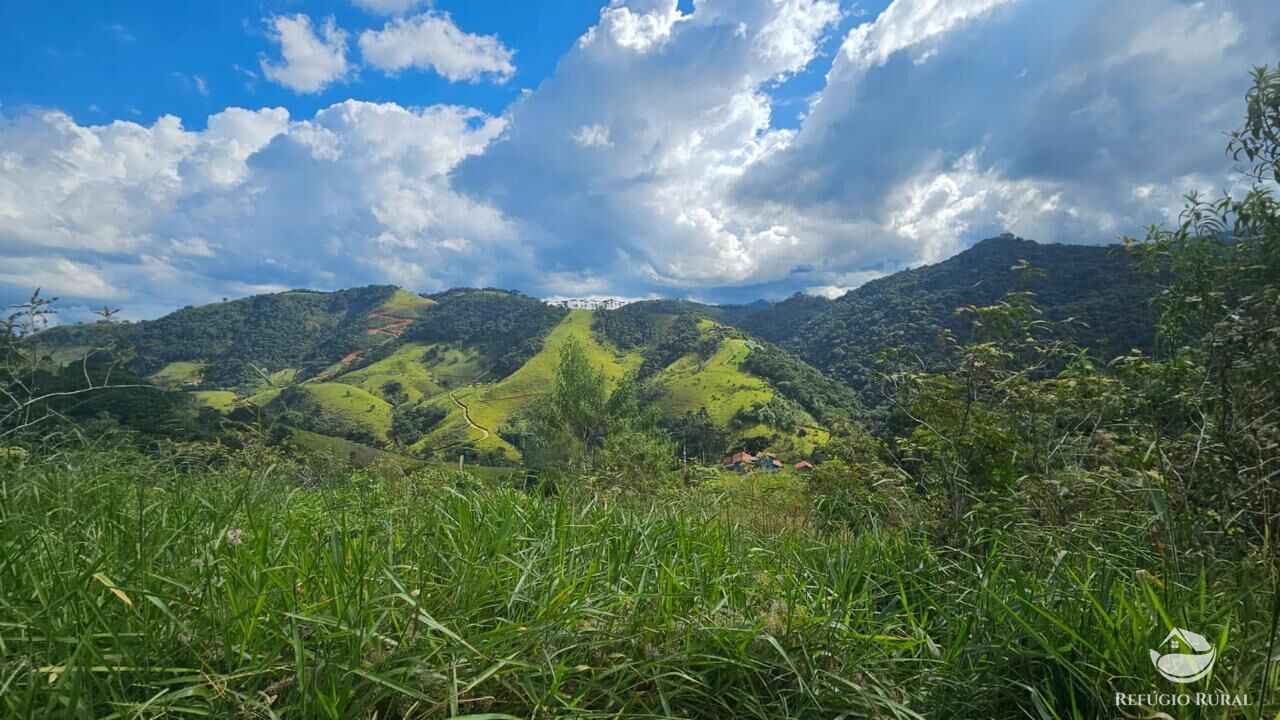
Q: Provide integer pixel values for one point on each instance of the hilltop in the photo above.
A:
(430, 375)
(1098, 289)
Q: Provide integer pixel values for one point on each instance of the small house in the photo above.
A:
(804, 466)
(768, 462)
(739, 462)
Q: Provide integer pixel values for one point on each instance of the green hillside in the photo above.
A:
(492, 406)
(1098, 287)
(222, 400)
(456, 368)
(177, 374)
(405, 367)
(237, 341)
(335, 409)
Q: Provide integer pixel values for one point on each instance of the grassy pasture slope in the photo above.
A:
(403, 366)
(352, 405)
(425, 371)
(175, 374)
(721, 386)
(492, 405)
(221, 400)
(402, 301)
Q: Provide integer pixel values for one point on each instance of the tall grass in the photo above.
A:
(132, 586)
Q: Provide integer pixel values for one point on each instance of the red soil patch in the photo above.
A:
(394, 328)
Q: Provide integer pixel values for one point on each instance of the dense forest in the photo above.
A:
(295, 329)
(507, 326)
(1096, 291)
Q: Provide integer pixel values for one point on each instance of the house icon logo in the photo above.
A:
(1184, 656)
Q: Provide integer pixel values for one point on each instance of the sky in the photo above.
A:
(155, 155)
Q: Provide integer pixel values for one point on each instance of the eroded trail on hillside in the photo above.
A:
(395, 326)
(466, 414)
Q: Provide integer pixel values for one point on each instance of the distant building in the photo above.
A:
(804, 466)
(740, 462)
(768, 462)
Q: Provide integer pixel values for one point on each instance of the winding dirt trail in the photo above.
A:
(395, 326)
(466, 414)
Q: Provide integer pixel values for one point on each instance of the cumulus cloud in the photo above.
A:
(432, 41)
(310, 60)
(650, 161)
(944, 122)
(145, 214)
(57, 276)
(196, 247)
(636, 25)
(622, 162)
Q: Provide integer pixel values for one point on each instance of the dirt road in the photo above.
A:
(466, 414)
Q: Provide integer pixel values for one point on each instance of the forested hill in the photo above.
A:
(1098, 286)
(384, 366)
(292, 329)
(423, 374)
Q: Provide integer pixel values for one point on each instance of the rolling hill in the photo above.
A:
(1098, 287)
(383, 367)
(431, 374)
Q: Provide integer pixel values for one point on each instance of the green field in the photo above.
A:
(176, 374)
(347, 451)
(402, 300)
(718, 383)
(352, 406)
(422, 370)
(280, 378)
(68, 354)
(403, 366)
(262, 398)
(221, 400)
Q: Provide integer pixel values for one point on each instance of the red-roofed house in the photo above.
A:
(804, 466)
(739, 461)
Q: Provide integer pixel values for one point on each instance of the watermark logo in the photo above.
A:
(1187, 656)
(1183, 657)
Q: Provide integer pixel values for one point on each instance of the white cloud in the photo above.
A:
(1190, 35)
(790, 39)
(195, 247)
(594, 135)
(670, 110)
(143, 214)
(938, 207)
(432, 41)
(637, 25)
(945, 122)
(908, 23)
(123, 33)
(844, 282)
(651, 160)
(57, 276)
(389, 7)
(311, 61)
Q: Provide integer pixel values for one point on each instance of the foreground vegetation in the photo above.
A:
(135, 586)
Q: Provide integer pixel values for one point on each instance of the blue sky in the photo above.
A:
(103, 61)
(154, 155)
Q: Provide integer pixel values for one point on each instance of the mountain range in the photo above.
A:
(427, 374)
